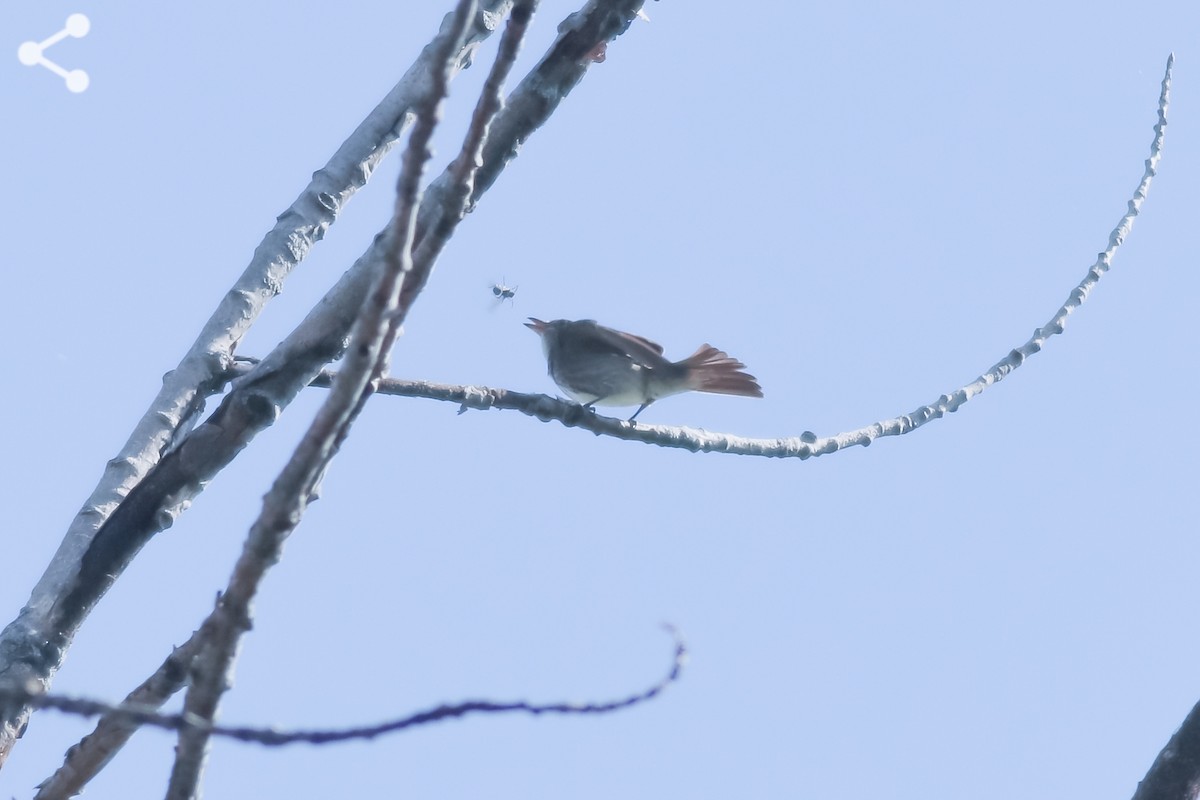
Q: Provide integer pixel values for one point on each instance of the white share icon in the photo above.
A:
(31, 53)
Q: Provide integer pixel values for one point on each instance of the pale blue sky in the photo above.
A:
(869, 204)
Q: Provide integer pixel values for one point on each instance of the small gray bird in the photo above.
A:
(596, 365)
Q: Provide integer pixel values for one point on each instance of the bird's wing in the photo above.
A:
(641, 349)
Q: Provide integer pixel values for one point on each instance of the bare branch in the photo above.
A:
(459, 186)
(137, 715)
(284, 504)
(470, 158)
(24, 652)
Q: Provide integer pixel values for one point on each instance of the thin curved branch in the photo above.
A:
(271, 737)
(807, 444)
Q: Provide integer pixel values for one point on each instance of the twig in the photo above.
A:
(137, 715)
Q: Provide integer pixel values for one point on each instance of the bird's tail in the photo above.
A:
(713, 370)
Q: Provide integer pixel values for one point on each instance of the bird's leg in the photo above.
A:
(591, 404)
(640, 410)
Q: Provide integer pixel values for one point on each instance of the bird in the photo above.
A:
(597, 365)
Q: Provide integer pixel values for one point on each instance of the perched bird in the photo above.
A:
(596, 365)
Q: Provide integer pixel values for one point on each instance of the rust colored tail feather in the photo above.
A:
(713, 370)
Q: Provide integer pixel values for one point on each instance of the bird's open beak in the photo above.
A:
(537, 326)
